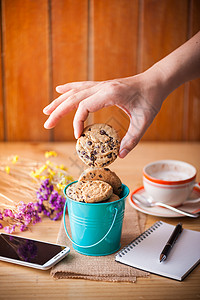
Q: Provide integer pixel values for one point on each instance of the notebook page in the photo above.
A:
(184, 255)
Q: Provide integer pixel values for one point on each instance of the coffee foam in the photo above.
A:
(170, 175)
(170, 171)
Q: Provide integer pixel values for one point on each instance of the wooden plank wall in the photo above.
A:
(167, 32)
(44, 43)
(69, 52)
(26, 68)
(1, 98)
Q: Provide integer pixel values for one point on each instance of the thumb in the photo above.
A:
(140, 120)
(129, 141)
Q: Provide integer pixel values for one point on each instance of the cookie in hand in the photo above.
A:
(98, 146)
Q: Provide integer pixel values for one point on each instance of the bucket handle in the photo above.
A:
(89, 246)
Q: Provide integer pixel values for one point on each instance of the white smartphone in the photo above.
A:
(31, 253)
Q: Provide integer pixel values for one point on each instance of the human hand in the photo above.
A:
(140, 97)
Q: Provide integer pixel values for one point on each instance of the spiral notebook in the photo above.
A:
(144, 252)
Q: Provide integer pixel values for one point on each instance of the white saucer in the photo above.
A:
(164, 212)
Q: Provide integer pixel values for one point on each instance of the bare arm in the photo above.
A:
(181, 65)
(140, 96)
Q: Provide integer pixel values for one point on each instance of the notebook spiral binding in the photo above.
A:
(140, 238)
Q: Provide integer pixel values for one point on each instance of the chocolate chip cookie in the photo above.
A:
(112, 198)
(105, 175)
(98, 146)
(90, 191)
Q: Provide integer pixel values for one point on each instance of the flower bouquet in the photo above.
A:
(42, 183)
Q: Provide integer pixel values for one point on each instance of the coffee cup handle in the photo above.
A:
(197, 187)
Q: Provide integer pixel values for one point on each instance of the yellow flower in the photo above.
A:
(70, 178)
(38, 172)
(51, 172)
(44, 177)
(15, 159)
(49, 163)
(60, 186)
(50, 153)
(62, 167)
(7, 169)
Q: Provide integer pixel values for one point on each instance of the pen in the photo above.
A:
(175, 234)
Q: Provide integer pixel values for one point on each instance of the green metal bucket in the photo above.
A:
(95, 227)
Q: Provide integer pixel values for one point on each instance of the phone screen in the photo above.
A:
(27, 250)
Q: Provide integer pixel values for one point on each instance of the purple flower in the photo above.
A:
(21, 217)
(23, 227)
(49, 201)
(18, 216)
(46, 182)
(8, 213)
(22, 207)
(37, 219)
(7, 229)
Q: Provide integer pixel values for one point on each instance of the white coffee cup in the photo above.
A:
(169, 181)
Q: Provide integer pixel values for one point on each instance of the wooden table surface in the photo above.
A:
(17, 282)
